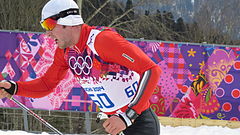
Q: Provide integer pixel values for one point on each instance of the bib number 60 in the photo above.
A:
(102, 100)
(131, 90)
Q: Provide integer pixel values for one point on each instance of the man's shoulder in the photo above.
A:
(101, 34)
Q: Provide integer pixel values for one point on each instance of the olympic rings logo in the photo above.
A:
(81, 65)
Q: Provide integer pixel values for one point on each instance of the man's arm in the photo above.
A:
(44, 85)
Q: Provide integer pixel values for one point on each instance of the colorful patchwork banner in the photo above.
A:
(197, 81)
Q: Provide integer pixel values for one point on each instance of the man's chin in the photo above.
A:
(62, 46)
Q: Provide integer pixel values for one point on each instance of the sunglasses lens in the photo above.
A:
(49, 24)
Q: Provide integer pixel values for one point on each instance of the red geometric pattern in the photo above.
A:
(175, 62)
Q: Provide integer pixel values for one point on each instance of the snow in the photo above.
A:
(203, 130)
(166, 130)
(19, 133)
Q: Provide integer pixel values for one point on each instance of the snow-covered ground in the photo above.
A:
(182, 130)
(203, 130)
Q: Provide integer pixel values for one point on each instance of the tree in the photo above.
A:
(180, 26)
(129, 6)
(159, 16)
(168, 19)
(147, 12)
(21, 14)
(219, 18)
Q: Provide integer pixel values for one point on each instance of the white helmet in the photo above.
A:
(55, 7)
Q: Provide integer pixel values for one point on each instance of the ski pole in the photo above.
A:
(36, 116)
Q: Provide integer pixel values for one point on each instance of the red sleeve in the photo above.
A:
(44, 85)
(112, 47)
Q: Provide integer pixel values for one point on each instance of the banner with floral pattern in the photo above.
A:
(197, 81)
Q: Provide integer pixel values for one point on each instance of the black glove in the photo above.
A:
(13, 89)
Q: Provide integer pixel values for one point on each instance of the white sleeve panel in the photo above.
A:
(91, 40)
(141, 87)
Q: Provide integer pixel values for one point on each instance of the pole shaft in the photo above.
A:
(36, 116)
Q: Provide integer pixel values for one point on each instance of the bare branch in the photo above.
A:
(121, 23)
(97, 11)
(125, 13)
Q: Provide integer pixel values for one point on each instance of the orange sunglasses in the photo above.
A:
(50, 23)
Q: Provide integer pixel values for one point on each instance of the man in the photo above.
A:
(116, 74)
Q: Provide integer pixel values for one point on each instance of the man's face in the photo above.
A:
(62, 36)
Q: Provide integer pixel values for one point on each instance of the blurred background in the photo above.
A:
(211, 21)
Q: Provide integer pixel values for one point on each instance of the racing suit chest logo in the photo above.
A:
(80, 65)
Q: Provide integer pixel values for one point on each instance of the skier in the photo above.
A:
(116, 74)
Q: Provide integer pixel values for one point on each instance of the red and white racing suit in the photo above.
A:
(115, 73)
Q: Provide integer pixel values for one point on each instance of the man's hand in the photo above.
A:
(3, 93)
(114, 125)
